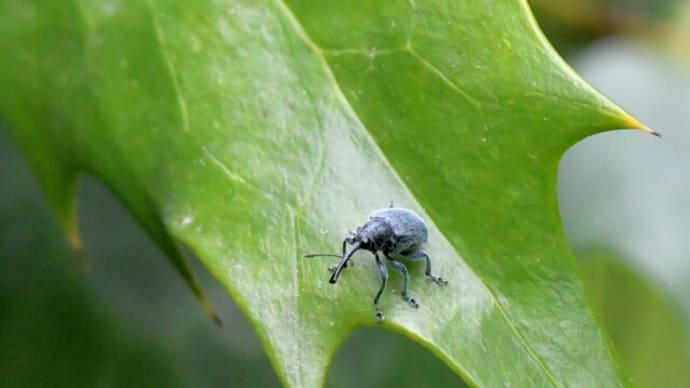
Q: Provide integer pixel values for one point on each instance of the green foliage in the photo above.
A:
(53, 333)
(256, 133)
(645, 327)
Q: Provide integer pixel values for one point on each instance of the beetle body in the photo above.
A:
(396, 233)
(409, 230)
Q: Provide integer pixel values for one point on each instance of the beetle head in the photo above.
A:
(374, 235)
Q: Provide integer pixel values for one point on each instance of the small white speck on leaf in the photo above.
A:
(187, 220)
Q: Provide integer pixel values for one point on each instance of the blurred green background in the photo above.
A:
(130, 320)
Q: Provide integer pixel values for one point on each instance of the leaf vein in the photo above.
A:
(181, 101)
(299, 30)
(443, 77)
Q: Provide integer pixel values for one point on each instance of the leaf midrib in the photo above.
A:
(301, 32)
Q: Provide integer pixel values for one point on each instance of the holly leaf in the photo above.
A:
(255, 133)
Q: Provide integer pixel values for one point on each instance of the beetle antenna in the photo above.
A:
(343, 262)
(322, 255)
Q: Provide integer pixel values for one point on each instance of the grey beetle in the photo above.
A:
(395, 232)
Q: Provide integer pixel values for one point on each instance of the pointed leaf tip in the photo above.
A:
(216, 318)
(207, 305)
(636, 124)
(653, 132)
(644, 128)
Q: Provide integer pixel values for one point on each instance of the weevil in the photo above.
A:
(396, 233)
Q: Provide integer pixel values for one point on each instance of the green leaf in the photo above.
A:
(53, 331)
(256, 133)
(646, 328)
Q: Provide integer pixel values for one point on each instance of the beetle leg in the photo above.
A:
(384, 279)
(345, 242)
(416, 255)
(400, 267)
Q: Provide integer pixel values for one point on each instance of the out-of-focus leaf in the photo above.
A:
(647, 330)
(674, 36)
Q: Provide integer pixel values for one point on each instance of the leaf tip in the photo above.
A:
(215, 317)
(651, 131)
(208, 307)
(70, 225)
(636, 124)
